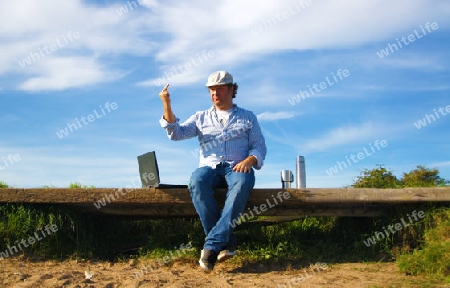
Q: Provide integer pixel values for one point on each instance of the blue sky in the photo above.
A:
(91, 68)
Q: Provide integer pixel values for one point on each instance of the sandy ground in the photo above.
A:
(72, 273)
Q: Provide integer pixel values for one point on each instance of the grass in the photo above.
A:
(423, 248)
(78, 185)
(433, 258)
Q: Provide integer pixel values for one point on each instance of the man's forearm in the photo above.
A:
(165, 98)
(168, 113)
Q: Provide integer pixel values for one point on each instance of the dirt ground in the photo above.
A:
(72, 273)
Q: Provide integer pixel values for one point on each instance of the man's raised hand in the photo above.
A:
(165, 98)
(164, 94)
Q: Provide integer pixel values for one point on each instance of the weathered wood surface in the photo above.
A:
(176, 202)
(181, 195)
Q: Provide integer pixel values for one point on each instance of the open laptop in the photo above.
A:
(149, 172)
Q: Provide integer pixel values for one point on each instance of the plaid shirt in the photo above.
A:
(233, 142)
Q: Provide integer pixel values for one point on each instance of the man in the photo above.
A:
(231, 145)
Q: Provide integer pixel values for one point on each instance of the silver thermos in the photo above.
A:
(286, 178)
(301, 173)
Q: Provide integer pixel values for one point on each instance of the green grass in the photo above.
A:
(78, 185)
(433, 257)
(3, 185)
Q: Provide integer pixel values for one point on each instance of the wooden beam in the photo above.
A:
(176, 202)
(258, 196)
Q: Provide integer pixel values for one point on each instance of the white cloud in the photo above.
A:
(420, 87)
(265, 93)
(344, 135)
(273, 116)
(210, 27)
(8, 118)
(440, 164)
(62, 73)
(190, 70)
(177, 32)
(29, 27)
(413, 62)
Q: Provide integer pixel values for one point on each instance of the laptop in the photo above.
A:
(149, 172)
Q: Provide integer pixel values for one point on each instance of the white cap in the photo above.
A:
(219, 78)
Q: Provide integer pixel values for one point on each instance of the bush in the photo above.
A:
(434, 257)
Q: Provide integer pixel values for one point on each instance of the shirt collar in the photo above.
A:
(234, 108)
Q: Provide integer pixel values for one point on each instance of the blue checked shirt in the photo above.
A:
(233, 142)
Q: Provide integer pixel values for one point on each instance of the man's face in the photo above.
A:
(222, 96)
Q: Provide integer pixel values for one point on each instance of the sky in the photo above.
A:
(349, 85)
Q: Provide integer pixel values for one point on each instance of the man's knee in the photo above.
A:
(201, 174)
(243, 180)
(201, 177)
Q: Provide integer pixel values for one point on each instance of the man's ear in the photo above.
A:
(231, 87)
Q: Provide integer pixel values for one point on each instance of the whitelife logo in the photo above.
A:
(378, 236)
(11, 159)
(115, 196)
(262, 208)
(90, 118)
(181, 69)
(411, 38)
(359, 155)
(124, 9)
(35, 56)
(227, 135)
(341, 74)
(279, 17)
(423, 122)
(10, 250)
(164, 261)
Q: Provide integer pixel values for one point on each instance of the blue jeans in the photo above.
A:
(216, 224)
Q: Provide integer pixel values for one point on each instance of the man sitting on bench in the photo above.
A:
(231, 145)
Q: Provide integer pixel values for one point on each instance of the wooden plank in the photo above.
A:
(282, 211)
(278, 203)
(257, 197)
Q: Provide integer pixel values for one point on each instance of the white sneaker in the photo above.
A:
(226, 254)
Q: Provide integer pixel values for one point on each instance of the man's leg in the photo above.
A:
(239, 188)
(201, 187)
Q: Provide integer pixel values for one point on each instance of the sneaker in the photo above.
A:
(226, 254)
(207, 260)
